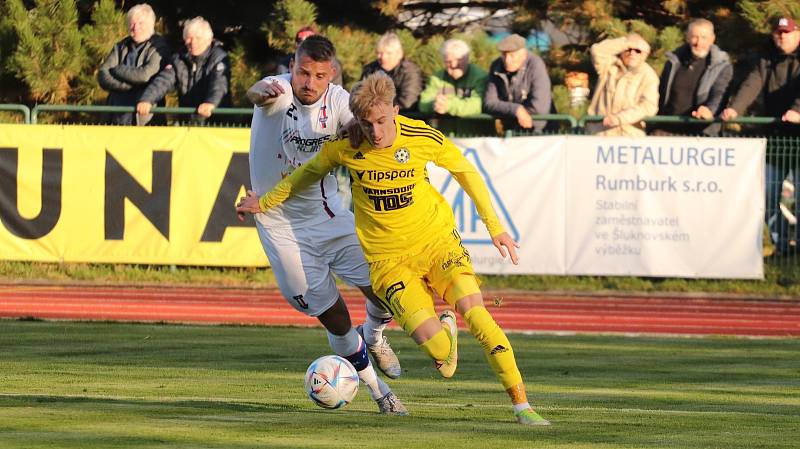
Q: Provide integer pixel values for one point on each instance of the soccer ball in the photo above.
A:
(331, 382)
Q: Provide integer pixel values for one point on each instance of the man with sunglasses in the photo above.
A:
(627, 87)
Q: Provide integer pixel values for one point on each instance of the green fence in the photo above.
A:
(102, 114)
(17, 109)
(782, 164)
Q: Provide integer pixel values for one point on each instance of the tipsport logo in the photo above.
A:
(468, 222)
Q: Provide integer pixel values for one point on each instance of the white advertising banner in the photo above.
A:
(665, 206)
(650, 206)
(525, 177)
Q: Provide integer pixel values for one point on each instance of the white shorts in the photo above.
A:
(304, 261)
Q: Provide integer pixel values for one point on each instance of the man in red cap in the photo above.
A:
(776, 75)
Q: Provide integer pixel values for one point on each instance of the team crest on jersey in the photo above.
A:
(402, 155)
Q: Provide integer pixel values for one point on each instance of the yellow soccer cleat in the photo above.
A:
(447, 368)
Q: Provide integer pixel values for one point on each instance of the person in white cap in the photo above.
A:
(627, 87)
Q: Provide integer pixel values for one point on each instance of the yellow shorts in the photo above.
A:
(406, 284)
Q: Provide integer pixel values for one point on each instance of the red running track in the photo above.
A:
(514, 311)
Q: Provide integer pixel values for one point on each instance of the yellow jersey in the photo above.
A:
(397, 211)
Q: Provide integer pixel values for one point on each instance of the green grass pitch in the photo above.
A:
(103, 385)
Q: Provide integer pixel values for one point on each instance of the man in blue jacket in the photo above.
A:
(518, 86)
(200, 73)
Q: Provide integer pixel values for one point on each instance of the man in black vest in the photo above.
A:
(694, 81)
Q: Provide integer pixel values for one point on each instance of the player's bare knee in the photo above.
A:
(466, 303)
(426, 330)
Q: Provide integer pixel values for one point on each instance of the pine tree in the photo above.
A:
(286, 19)
(761, 14)
(49, 53)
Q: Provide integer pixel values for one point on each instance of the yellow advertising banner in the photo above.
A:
(150, 195)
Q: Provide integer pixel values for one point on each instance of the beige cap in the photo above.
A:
(511, 42)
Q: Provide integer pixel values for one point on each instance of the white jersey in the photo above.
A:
(284, 135)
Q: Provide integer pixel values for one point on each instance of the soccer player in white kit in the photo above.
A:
(311, 236)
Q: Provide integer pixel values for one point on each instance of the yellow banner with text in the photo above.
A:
(154, 195)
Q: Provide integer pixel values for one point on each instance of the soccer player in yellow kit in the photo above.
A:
(408, 231)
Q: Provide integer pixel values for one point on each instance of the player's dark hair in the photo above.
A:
(316, 47)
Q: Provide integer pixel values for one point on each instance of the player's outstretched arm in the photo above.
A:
(302, 177)
(504, 243)
(264, 92)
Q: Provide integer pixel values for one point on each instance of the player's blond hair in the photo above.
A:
(375, 89)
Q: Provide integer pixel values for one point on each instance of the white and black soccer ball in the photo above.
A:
(331, 382)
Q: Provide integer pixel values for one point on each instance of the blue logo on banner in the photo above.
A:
(472, 230)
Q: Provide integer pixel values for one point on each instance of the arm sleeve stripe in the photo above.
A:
(435, 139)
(406, 127)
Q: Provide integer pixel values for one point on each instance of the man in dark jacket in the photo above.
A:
(518, 86)
(133, 62)
(200, 74)
(694, 81)
(776, 76)
(406, 75)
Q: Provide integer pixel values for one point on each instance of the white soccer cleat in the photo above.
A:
(390, 405)
(383, 355)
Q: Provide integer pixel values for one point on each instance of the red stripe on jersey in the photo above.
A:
(324, 197)
(323, 119)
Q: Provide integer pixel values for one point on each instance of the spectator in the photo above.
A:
(775, 76)
(133, 62)
(458, 89)
(200, 73)
(518, 87)
(627, 87)
(286, 63)
(694, 81)
(406, 76)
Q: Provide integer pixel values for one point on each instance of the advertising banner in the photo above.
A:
(650, 206)
(665, 206)
(152, 195)
(525, 177)
(578, 205)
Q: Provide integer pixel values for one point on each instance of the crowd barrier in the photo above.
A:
(782, 152)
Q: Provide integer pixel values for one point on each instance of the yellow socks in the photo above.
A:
(438, 346)
(495, 345)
